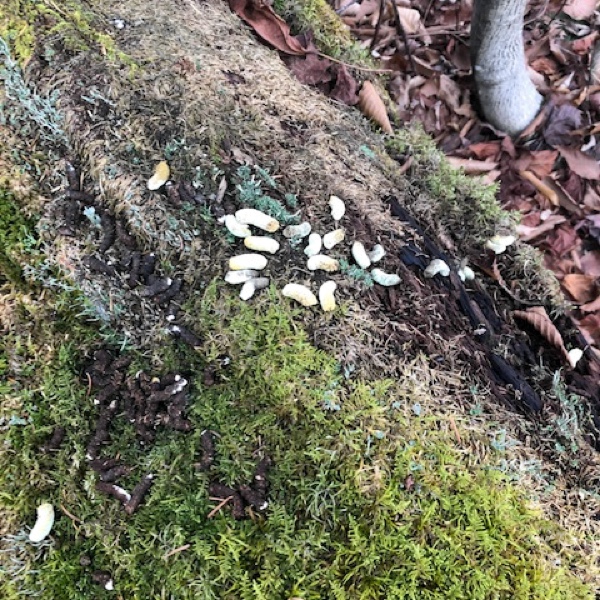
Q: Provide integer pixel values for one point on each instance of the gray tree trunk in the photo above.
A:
(508, 98)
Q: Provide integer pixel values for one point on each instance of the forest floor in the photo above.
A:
(428, 439)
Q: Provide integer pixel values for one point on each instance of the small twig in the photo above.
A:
(70, 515)
(541, 187)
(219, 506)
(355, 67)
(402, 33)
(427, 11)
(176, 551)
(378, 26)
(455, 429)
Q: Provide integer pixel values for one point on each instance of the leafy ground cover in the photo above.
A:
(400, 466)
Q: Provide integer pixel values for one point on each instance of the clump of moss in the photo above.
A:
(364, 502)
(463, 203)
(15, 230)
(330, 33)
(250, 192)
(23, 22)
(356, 273)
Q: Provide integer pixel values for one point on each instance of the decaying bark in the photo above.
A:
(507, 95)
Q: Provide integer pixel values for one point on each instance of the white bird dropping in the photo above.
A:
(300, 293)
(43, 524)
(326, 295)
(338, 208)
(360, 255)
(255, 262)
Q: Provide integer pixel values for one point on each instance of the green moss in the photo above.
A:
(343, 521)
(16, 232)
(24, 23)
(330, 33)
(250, 193)
(463, 203)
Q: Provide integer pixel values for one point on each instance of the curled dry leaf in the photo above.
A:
(579, 9)
(269, 26)
(582, 164)
(373, 107)
(539, 320)
(410, 19)
(582, 288)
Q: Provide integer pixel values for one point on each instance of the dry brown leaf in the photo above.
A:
(592, 306)
(590, 263)
(269, 26)
(410, 19)
(564, 198)
(582, 288)
(582, 164)
(580, 9)
(373, 107)
(539, 319)
(449, 92)
(526, 234)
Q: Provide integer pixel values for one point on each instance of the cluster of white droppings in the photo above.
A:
(245, 269)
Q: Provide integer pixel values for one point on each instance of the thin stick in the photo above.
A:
(378, 26)
(218, 507)
(70, 515)
(427, 11)
(176, 551)
(402, 33)
(355, 67)
(455, 429)
(541, 187)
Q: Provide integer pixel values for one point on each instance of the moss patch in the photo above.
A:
(365, 502)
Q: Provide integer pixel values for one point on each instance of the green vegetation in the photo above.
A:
(356, 273)
(22, 21)
(331, 35)
(365, 502)
(249, 189)
(462, 202)
(15, 231)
